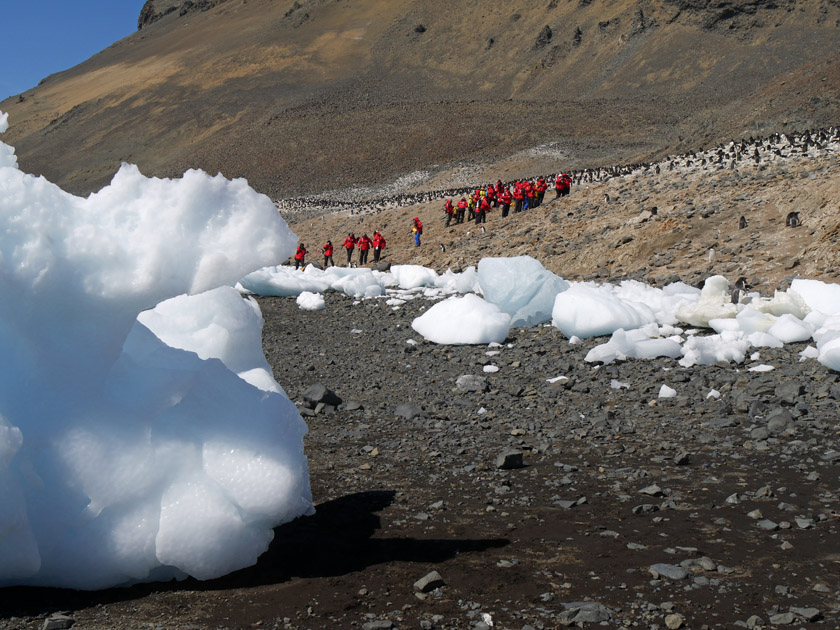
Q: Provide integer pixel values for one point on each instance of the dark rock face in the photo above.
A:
(154, 10)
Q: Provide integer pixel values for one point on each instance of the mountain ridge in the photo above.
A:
(301, 97)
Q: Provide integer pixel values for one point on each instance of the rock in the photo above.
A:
(318, 393)
(584, 612)
(808, 614)
(673, 621)
(755, 622)
(353, 405)
(383, 267)
(471, 383)
(379, 624)
(653, 491)
(509, 460)
(58, 622)
(429, 582)
(782, 619)
(409, 412)
(645, 508)
(768, 525)
(670, 571)
(779, 421)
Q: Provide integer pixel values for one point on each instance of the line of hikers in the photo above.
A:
(523, 195)
(364, 243)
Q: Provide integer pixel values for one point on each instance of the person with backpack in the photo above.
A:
(328, 254)
(378, 246)
(364, 245)
(300, 255)
(349, 245)
(449, 209)
(417, 230)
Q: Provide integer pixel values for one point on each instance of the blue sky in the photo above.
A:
(40, 37)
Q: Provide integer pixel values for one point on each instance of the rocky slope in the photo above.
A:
(308, 96)
(682, 222)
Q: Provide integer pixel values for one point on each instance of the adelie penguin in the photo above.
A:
(792, 219)
(742, 223)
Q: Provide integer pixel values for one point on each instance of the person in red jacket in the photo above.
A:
(462, 210)
(300, 255)
(349, 244)
(530, 195)
(417, 231)
(449, 209)
(364, 246)
(491, 196)
(505, 198)
(541, 186)
(378, 246)
(562, 185)
(328, 253)
(481, 211)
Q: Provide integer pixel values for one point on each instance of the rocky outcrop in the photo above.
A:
(153, 10)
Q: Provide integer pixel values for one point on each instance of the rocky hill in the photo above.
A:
(304, 96)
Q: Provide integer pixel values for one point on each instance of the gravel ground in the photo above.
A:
(589, 500)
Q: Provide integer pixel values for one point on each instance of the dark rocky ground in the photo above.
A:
(740, 503)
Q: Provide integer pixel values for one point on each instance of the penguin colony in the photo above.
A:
(772, 149)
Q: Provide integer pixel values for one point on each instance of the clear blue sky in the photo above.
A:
(40, 37)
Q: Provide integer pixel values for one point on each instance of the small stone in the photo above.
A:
(429, 582)
(670, 571)
(409, 412)
(653, 491)
(58, 622)
(808, 614)
(471, 383)
(768, 525)
(673, 621)
(755, 622)
(509, 460)
(379, 624)
(782, 619)
(755, 514)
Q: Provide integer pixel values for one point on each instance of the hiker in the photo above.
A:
(481, 211)
(518, 197)
(328, 253)
(449, 209)
(541, 186)
(462, 210)
(364, 246)
(562, 185)
(300, 255)
(349, 244)
(505, 198)
(378, 246)
(417, 230)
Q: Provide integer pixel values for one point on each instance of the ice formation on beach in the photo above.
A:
(643, 321)
(138, 444)
(520, 287)
(463, 320)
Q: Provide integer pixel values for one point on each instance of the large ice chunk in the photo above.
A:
(520, 287)
(463, 320)
(586, 310)
(128, 454)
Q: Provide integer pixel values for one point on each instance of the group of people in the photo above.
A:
(523, 195)
(364, 243)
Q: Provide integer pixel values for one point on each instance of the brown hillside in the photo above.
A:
(301, 97)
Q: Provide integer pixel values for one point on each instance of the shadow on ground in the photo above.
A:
(337, 539)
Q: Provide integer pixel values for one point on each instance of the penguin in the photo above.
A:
(442, 248)
(742, 223)
(792, 219)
